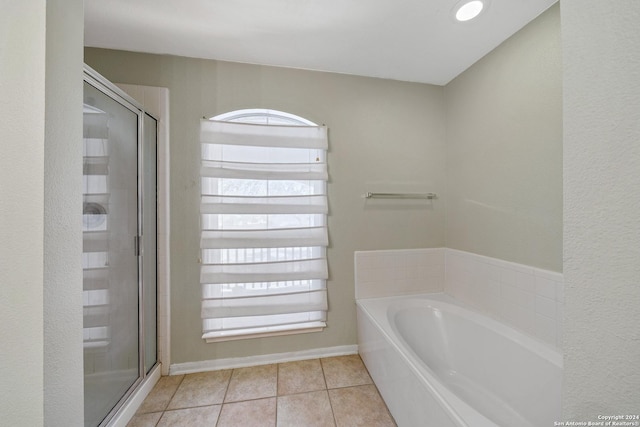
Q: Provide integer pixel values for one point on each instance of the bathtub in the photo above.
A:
(439, 364)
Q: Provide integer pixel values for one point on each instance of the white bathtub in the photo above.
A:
(439, 364)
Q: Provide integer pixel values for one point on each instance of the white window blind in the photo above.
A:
(263, 229)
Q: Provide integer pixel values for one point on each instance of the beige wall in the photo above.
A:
(40, 193)
(504, 150)
(601, 64)
(63, 353)
(380, 131)
(22, 76)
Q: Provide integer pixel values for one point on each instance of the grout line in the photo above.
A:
(350, 386)
(303, 392)
(277, 391)
(333, 414)
(226, 390)
(324, 378)
(170, 399)
(219, 414)
(174, 393)
(193, 407)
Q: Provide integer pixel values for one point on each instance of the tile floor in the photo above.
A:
(333, 391)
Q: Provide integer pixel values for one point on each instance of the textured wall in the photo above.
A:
(40, 189)
(504, 150)
(22, 114)
(601, 64)
(381, 133)
(63, 381)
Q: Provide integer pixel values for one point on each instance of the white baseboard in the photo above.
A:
(265, 359)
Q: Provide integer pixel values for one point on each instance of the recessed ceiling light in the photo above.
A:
(467, 10)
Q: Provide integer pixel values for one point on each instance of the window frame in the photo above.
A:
(278, 118)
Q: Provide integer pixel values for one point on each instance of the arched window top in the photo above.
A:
(263, 116)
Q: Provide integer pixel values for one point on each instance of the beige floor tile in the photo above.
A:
(345, 371)
(300, 377)
(145, 420)
(359, 406)
(252, 383)
(306, 409)
(161, 394)
(205, 388)
(204, 416)
(251, 413)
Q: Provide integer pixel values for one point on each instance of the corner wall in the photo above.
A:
(504, 150)
(40, 219)
(22, 127)
(63, 352)
(602, 207)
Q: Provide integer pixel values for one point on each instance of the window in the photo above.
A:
(263, 225)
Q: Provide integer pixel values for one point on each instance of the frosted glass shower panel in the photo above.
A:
(110, 263)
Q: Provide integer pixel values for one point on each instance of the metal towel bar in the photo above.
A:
(428, 196)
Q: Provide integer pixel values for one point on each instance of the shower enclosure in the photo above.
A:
(119, 247)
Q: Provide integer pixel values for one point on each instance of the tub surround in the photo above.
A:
(399, 272)
(488, 348)
(438, 364)
(527, 298)
(404, 393)
(524, 297)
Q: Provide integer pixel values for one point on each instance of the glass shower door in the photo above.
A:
(110, 253)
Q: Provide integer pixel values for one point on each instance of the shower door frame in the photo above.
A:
(100, 83)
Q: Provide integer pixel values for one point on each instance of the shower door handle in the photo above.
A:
(137, 245)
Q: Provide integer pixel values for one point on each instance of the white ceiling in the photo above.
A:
(412, 40)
